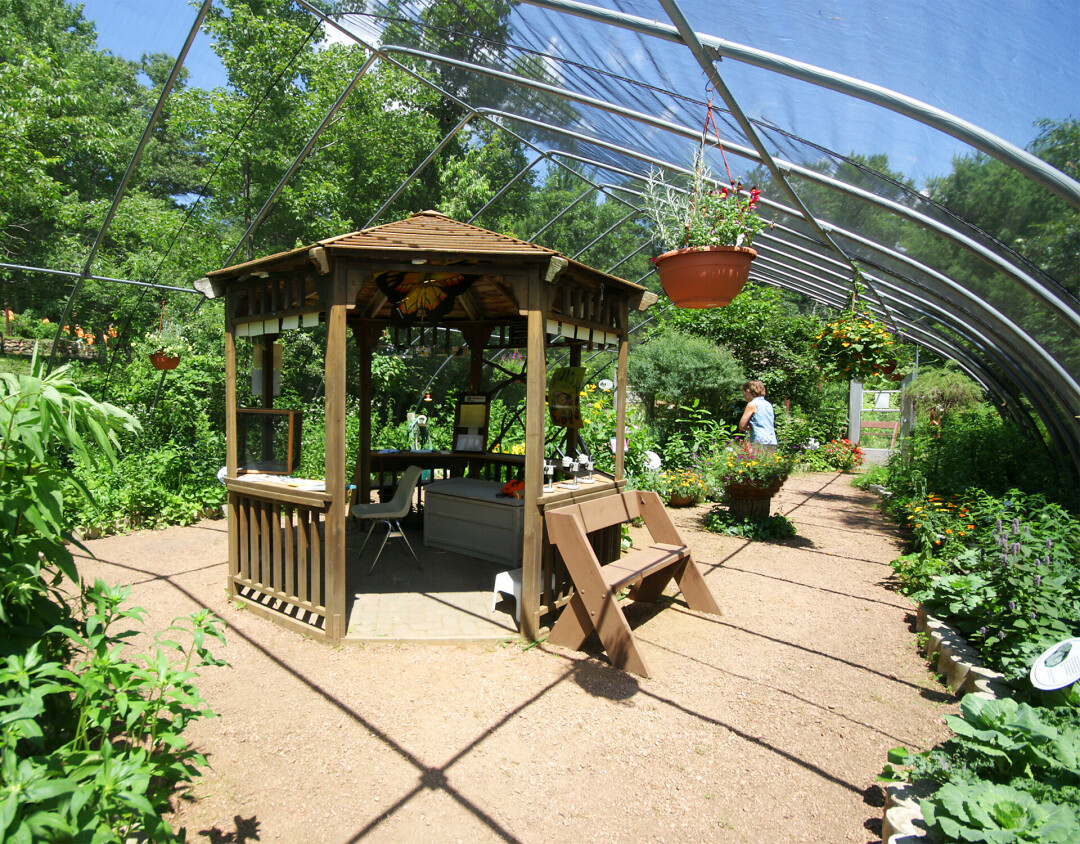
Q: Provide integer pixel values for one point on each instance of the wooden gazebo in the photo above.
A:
(287, 552)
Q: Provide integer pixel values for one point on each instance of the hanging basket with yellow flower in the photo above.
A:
(857, 345)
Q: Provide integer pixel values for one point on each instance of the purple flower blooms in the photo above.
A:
(1049, 543)
(983, 631)
(997, 526)
(1016, 548)
(1012, 606)
(1016, 526)
(1038, 580)
(1033, 613)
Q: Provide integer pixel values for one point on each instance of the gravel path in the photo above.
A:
(767, 724)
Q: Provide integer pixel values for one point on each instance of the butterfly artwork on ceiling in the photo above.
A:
(421, 297)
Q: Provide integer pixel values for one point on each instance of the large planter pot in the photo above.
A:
(707, 277)
(160, 360)
(751, 501)
(680, 501)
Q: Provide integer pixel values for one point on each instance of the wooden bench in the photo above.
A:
(596, 586)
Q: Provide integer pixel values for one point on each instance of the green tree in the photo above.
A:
(673, 369)
(769, 335)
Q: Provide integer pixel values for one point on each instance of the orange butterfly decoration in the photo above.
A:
(422, 297)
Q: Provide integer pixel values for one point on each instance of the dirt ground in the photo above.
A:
(765, 725)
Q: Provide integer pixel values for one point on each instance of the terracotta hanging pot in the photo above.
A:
(680, 501)
(160, 360)
(708, 277)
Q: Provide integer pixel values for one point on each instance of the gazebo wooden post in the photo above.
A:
(231, 460)
(476, 337)
(365, 339)
(572, 435)
(620, 388)
(334, 547)
(533, 528)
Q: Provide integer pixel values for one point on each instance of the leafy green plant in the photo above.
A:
(842, 455)
(999, 814)
(671, 369)
(93, 750)
(775, 527)
(45, 421)
(961, 598)
(90, 741)
(856, 344)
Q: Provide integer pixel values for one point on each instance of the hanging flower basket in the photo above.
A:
(160, 360)
(680, 501)
(857, 345)
(704, 277)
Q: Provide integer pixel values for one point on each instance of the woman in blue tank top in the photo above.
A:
(758, 415)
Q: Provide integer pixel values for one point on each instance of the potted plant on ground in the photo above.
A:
(706, 233)
(856, 344)
(751, 475)
(677, 487)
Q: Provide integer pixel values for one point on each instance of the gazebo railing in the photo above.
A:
(280, 559)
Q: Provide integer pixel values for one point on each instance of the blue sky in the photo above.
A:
(129, 28)
(999, 65)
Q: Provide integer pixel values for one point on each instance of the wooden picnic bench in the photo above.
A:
(594, 605)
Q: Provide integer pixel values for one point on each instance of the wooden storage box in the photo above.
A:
(466, 516)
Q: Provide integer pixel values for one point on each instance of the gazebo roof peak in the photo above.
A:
(434, 231)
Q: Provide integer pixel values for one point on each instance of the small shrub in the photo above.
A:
(842, 455)
(774, 527)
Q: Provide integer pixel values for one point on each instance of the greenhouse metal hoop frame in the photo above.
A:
(945, 317)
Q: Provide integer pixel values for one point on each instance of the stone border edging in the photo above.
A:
(958, 662)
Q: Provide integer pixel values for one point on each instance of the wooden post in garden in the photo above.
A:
(334, 548)
(231, 460)
(366, 338)
(535, 390)
(620, 389)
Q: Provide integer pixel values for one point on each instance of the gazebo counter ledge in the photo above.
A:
(489, 465)
(277, 564)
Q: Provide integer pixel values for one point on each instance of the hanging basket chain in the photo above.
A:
(710, 119)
